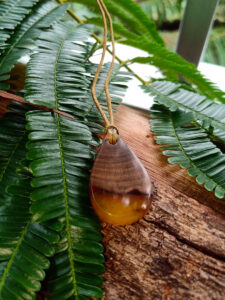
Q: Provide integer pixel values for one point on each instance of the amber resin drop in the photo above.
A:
(120, 187)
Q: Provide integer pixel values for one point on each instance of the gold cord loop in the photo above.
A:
(109, 124)
(106, 86)
(113, 132)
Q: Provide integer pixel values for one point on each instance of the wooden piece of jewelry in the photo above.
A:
(120, 187)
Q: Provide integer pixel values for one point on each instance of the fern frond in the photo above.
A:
(11, 14)
(138, 14)
(119, 29)
(43, 16)
(61, 151)
(172, 62)
(24, 247)
(174, 97)
(88, 263)
(130, 14)
(73, 83)
(70, 81)
(189, 147)
(12, 132)
(61, 154)
(117, 88)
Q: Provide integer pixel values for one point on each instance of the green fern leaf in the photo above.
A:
(61, 151)
(12, 132)
(189, 147)
(24, 247)
(61, 154)
(11, 14)
(174, 97)
(117, 88)
(130, 14)
(43, 16)
(171, 62)
(88, 261)
(119, 29)
(116, 11)
(138, 14)
(71, 84)
(73, 94)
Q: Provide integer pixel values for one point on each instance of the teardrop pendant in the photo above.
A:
(120, 188)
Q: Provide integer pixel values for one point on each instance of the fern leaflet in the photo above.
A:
(190, 147)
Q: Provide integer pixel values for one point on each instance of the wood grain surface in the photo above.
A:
(177, 251)
(118, 170)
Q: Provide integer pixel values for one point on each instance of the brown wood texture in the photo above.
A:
(123, 172)
(177, 251)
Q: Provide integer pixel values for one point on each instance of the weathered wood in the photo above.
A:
(178, 250)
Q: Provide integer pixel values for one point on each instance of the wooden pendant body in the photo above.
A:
(120, 188)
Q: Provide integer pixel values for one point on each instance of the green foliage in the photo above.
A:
(45, 158)
(138, 14)
(42, 16)
(215, 50)
(174, 97)
(172, 65)
(130, 15)
(162, 11)
(11, 14)
(24, 247)
(52, 192)
(60, 76)
(117, 87)
(189, 147)
(61, 153)
(176, 66)
(57, 51)
(12, 130)
(220, 10)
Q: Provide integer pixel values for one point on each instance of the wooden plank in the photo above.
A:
(177, 251)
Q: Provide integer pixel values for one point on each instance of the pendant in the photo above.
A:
(120, 188)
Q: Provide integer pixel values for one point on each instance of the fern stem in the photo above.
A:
(9, 96)
(65, 187)
(80, 21)
(67, 214)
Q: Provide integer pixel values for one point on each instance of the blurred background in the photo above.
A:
(167, 15)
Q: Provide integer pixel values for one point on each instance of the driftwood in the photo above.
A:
(177, 251)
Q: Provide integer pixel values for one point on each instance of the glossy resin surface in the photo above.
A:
(120, 188)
